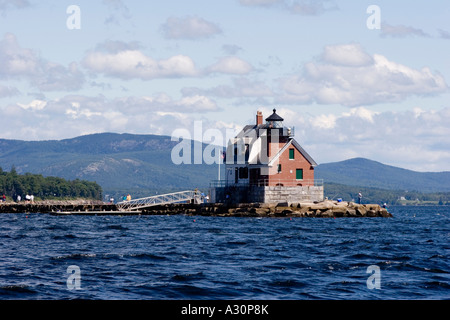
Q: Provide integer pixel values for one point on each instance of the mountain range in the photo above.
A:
(369, 173)
(142, 164)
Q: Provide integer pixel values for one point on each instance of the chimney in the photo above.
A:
(259, 118)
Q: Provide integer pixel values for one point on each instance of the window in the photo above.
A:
(299, 174)
(279, 168)
(291, 154)
(243, 173)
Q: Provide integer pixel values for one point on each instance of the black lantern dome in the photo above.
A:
(275, 121)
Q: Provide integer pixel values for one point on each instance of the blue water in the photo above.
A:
(183, 257)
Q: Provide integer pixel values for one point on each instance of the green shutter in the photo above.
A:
(291, 153)
(299, 174)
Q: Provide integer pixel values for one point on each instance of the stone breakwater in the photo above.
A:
(325, 209)
(52, 206)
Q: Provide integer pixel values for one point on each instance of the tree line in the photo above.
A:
(13, 184)
(391, 197)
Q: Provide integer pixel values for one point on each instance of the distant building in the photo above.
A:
(264, 163)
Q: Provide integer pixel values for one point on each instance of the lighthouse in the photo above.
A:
(264, 163)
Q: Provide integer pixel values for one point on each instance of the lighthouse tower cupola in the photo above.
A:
(275, 121)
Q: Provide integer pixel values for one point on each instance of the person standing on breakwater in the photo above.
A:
(359, 197)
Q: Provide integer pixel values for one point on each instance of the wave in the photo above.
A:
(75, 256)
(18, 288)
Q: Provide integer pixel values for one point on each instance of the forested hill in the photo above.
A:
(13, 185)
(369, 173)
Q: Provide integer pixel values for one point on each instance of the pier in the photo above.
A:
(187, 196)
(325, 209)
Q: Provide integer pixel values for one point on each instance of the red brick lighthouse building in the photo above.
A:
(264, 163)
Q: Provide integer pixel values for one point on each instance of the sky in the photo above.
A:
(354, 78)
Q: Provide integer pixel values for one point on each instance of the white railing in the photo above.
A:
(268, 182)
(176, 197)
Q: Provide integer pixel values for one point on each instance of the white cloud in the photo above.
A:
(189, 28)
(347, 75)
(21, 63)
(362, 113)
(231, 65)
(115, 46)
(130, 64)
(127, 61)
(417, 140)
(197, 103)
(74, 115)
(34, 105)
(351, 55)
(324, 121)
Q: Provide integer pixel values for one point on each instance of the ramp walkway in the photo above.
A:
(176, 197)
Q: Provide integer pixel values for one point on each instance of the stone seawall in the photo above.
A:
(56, 206)
(325, 209)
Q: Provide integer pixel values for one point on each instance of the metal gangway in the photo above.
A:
(176, 197)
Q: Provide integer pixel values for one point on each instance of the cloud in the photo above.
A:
(231, 49)
(74, 115)
(417, 139)
(118, 10)
(351, 55)
(231, 65)
(128, 64)
(311, 7)
(34, 105)
(13, 4)
(21, 63)
(347, 75)
(444, 34)
(189, 28)
(126, 61)
(115, 46)
(302, 7)
(401, 31)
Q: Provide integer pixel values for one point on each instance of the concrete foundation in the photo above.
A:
(266, 194)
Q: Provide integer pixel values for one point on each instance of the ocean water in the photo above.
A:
(184, 257)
